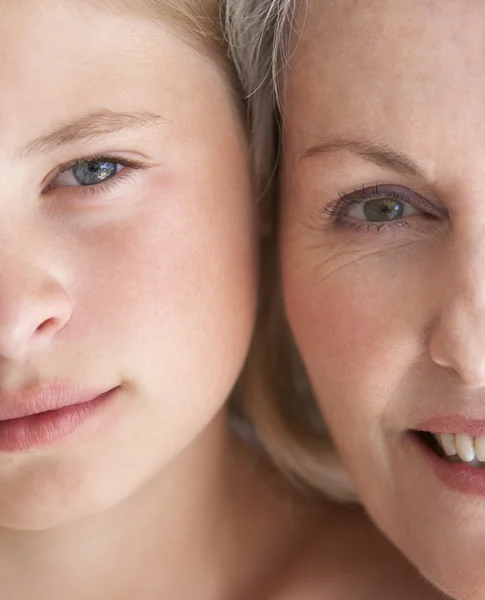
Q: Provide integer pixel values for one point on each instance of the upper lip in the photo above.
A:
(453, 424)
(45, 397)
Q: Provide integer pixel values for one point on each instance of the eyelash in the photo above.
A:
(99, 188)
(336, 209)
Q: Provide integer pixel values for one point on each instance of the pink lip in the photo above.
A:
(43, 398)
(453, 424)
(46, 414)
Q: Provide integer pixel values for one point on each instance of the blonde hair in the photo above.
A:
(199, 20)
(276, 395)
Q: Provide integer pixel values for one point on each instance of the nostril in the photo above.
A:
(49, 326)
(34, 308)
(473, 373)
(464, 359)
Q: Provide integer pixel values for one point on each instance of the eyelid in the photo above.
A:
(103, 188)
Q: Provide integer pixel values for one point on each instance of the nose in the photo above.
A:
(457, 339)
(34, 307)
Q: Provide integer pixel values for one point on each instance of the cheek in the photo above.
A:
(173, 283)
(359, 325)
(340, 345)
(341, 327)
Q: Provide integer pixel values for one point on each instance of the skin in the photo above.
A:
(390, 323)
(149, 285)
(137, 291)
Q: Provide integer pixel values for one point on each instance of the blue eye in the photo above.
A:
(92, 173)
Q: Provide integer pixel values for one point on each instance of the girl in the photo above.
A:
(381, 247)
(128, 279)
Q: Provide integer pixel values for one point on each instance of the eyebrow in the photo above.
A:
(92, 126)
(380, 154)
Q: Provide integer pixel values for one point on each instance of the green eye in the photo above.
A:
(383, 209)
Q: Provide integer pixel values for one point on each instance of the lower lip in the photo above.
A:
(49, 428)
(458, 476)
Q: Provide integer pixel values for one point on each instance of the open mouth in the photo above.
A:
(456, 447)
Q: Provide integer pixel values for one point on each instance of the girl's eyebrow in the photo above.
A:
(380, 154)
(94, 125)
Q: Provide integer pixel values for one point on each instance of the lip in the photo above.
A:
(43, 398)
(453, 424)
(44, 415)
(457, 476)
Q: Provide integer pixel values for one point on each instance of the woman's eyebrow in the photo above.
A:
(380, 154)
(94, 125)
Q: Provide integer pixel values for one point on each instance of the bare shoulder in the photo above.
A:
(340, 555)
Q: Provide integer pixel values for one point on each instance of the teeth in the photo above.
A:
(447, 441)
(480, 448)
(465, 447)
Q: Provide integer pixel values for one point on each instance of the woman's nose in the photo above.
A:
(458, 337)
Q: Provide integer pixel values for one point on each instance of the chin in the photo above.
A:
(446, 545)
(52, 507)
(55, 493)
(457, 580)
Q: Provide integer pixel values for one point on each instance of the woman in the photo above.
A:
(380, 230)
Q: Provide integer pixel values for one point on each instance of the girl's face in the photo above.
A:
(383, 262)
(127, 253)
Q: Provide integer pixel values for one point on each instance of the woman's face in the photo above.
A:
(383, 262)
(127, 253)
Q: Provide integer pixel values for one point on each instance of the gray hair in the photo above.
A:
(275, 394)
(259, 33)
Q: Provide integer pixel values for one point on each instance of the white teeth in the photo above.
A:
(480, 448)
(465, 447)
(448, 443)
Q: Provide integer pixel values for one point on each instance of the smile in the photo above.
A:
(457, 447)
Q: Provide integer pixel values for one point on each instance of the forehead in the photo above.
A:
(45, 43)
(381, 68)
(62, 58)
(196, 20)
